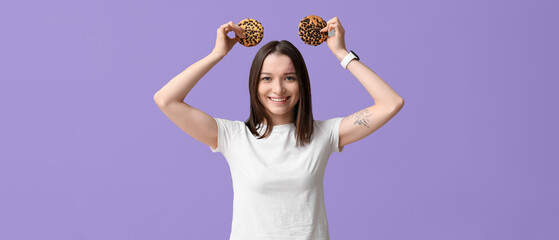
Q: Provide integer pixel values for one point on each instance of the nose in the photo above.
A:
(278, 87)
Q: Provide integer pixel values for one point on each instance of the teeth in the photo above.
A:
(278, 100)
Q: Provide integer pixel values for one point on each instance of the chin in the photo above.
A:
(278, 112)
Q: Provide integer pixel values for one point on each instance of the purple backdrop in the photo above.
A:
(87, 154)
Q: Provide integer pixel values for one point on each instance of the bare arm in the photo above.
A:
(177, 89)
(170, 98)
(379, 90)
(387, 102)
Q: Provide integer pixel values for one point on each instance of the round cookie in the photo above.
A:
(309, 30)
(254, 32)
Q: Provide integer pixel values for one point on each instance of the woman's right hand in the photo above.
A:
(223, 43)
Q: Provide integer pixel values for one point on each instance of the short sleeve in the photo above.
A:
(226, 129)
(333, 128)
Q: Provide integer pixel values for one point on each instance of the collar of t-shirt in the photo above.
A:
(278, 128)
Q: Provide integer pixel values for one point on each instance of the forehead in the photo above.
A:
(277, 63)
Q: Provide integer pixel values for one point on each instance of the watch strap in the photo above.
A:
(350, 56)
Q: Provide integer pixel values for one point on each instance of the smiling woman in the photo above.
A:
(278, 173)
(279, 72)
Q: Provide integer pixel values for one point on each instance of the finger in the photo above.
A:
(239, 31)
(324, 28)
(327, 28)
(338, 28)
(231, 26)
(224, 28)
(333, 20)
(330, 27)
(339, 24)
(227, 26)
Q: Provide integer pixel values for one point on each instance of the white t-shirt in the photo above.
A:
(278, 188)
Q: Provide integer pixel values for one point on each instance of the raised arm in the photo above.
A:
(170, 98)
(177, 89)
(387, 103)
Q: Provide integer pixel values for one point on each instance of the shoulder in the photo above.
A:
(228, 125)
(328, 125)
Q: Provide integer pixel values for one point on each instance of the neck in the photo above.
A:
(277, 121)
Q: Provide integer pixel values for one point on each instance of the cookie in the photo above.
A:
(309, 30)
(254, 32)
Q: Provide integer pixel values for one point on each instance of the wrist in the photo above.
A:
(348, 58)
(340, 54)
(218, 55)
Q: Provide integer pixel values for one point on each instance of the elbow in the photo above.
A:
(158, 100)
(163, 101)
(400, 105)
(400, 102)
(396, 103)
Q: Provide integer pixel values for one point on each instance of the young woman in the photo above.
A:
(278, 156)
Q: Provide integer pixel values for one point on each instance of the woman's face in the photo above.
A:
(278, 80)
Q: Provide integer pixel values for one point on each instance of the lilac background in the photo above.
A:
(86, 153)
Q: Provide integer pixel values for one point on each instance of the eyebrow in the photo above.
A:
(287, 73)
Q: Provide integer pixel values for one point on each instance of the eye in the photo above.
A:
(266, 78)
(290, 78)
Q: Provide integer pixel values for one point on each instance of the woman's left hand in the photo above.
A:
(337, 42)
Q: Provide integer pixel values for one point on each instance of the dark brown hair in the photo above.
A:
(302, 111)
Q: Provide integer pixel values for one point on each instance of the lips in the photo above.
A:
(279, 98)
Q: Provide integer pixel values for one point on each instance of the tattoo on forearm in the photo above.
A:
(361, 117)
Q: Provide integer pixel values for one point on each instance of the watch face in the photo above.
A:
(357, 57)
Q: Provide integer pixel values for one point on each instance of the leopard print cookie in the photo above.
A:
(309, 30)
(254, 32)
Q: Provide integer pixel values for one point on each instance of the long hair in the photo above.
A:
(302, 111)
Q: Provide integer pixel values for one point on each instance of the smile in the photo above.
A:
(278, 100)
